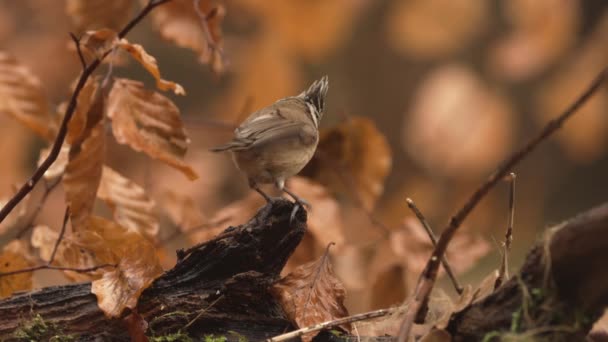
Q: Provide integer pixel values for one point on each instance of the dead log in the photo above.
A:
(560, 291)
(217, 288)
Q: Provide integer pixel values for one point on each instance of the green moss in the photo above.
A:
(213, 338)
(175, 337)
(491, 336)
(240, 337)
(39, 330)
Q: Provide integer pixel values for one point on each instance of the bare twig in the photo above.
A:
(331, 324)
(431, 234)
(503, 272)
(202, 312)
(66, 217)
(57, 268)
(76, 41)
(84, 76)
(30, 222)
(429, 274)
(204, 18)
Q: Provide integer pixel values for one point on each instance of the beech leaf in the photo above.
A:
(131, 206)
(22, 97)
(353, 159)
(148, 122)
(12, 258)
(311, 294)
(149, 62)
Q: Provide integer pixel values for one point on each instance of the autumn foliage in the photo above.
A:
(425, 99)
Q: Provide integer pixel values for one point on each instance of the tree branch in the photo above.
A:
(429, 274)
(86, 73)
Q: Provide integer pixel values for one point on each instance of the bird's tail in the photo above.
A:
(316, 93)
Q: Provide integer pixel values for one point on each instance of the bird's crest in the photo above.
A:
(315, 96)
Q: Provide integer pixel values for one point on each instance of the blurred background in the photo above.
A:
(426, 98)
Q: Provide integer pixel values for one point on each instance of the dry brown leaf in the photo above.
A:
(149, 62)
(178, 21)
(98, 14)
(353, 159)
(85, 162)
(78, 121)
(12, 258)
(22, 97)
(435, 28)
(137, 326)
(99, 42)
(311, 294)
(131, 206)
(541, 31)
(148, 122)
(457, 126)
(101, 241)
(138, 266)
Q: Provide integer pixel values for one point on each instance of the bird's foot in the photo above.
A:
(298, 203)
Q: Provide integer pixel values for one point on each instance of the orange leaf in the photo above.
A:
(13, 258)
(138, 266)
(149, 62)
(311, 294)
(83, 171)
(353, 159)
(22, 97)
(178, 21)
(131, 206)
(98, 14)
(148, 122)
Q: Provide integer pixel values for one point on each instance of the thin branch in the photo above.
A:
(84, 76)
(57, 268)
(79, 50)
(66, 217)
(331, 324)
(30, 222)
(429, 274)
(201, 312)
(503, 272)
(204, 18)
(431, 234)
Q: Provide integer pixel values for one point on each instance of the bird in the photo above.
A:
(277, 141)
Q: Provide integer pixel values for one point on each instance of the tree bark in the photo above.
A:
(223, 281)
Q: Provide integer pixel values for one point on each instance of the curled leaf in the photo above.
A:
(311, 294)
(137, 267)
(22, 97)
(353, 159)
(131, 206)
(99, 42)
(148, 122)
(149, 62)
(13, 258)
(85, 162)
(179, 22)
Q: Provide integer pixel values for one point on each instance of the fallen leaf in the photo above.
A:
(138, 266)
(148, 122)
(353, 159)
(22, 97)
(435, 28)
(311, 294)
(83, 171)
(13, 258)
(131, 206)
(178, 22)
(137, 326)
(98, 14)
(463, 127)
(149, 62)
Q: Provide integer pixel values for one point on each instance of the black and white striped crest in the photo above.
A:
(315, 97)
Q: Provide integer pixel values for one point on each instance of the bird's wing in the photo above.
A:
(268, 128)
